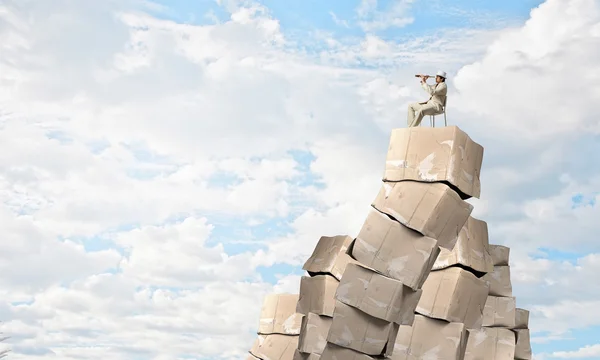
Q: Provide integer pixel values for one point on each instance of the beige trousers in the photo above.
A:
(416, 112)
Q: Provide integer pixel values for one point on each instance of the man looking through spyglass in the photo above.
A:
(435, 104)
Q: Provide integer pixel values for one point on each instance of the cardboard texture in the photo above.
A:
(317, 295)
(500, 254)
(394, 250)
(334, 352)
(275, 347)
(490, 344)
(434, 210)
(499, 281)
(313, 333)
(353, 329)
(435, 154)
(499, 312)
(471, 249)
(521, 319)
(376, 295)
(430, 339)
(305, 356)
(329, 256)
(523, 346)
(278, 315)
(454, 295)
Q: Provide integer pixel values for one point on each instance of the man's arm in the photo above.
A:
(434, 90)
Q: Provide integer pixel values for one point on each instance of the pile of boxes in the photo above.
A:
(419, 281)
(504, 333)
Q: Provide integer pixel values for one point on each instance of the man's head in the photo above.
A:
(440, 77)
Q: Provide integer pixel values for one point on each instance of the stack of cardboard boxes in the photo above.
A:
(504, 334)
(415, 281)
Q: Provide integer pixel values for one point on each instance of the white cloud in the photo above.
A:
(586, 352)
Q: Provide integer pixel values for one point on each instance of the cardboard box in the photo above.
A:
(430, 339)
(376, 295)
(305, 356)
(329, 256)
(471, 249)
(500, 254)
(499, 281)
(499, 312)
(523, 347)
(317, 295)
(490, 344)
(435, 154)
(278, 315)
(394, 250)
(353, 329)
(454, 295)
(434, 210)
(275, 347)
(521, 319)
(313, 333)
(334, 352)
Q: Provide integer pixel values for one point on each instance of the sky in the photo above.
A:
(166, 164)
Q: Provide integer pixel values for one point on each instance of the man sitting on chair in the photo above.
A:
(435, 104)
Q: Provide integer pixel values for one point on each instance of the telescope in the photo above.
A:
(425, 75)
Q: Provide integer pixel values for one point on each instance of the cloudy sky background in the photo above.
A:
(165, 164)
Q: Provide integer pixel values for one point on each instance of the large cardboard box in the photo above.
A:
(394, 250)
(499, 312)
(454, 295)
(471, 249)
(313, 333)
(329, 256)
(430, 339)
(317, 295)
(278, 315)
(305, 356)
(376, 295)
(353, 329)
(435, 154)
(490, 344)
(275, 347)
(334, 352)
(523, 347)
(521, 319)
(499, 281)
(434, 210)
(500, 254)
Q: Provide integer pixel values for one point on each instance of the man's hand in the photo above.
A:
(425, 77)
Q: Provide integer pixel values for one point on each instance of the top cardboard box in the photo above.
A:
(434, 210)
(330, 256)
(278, 315)
(444, 154)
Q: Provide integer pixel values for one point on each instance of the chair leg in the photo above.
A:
(445, 122)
